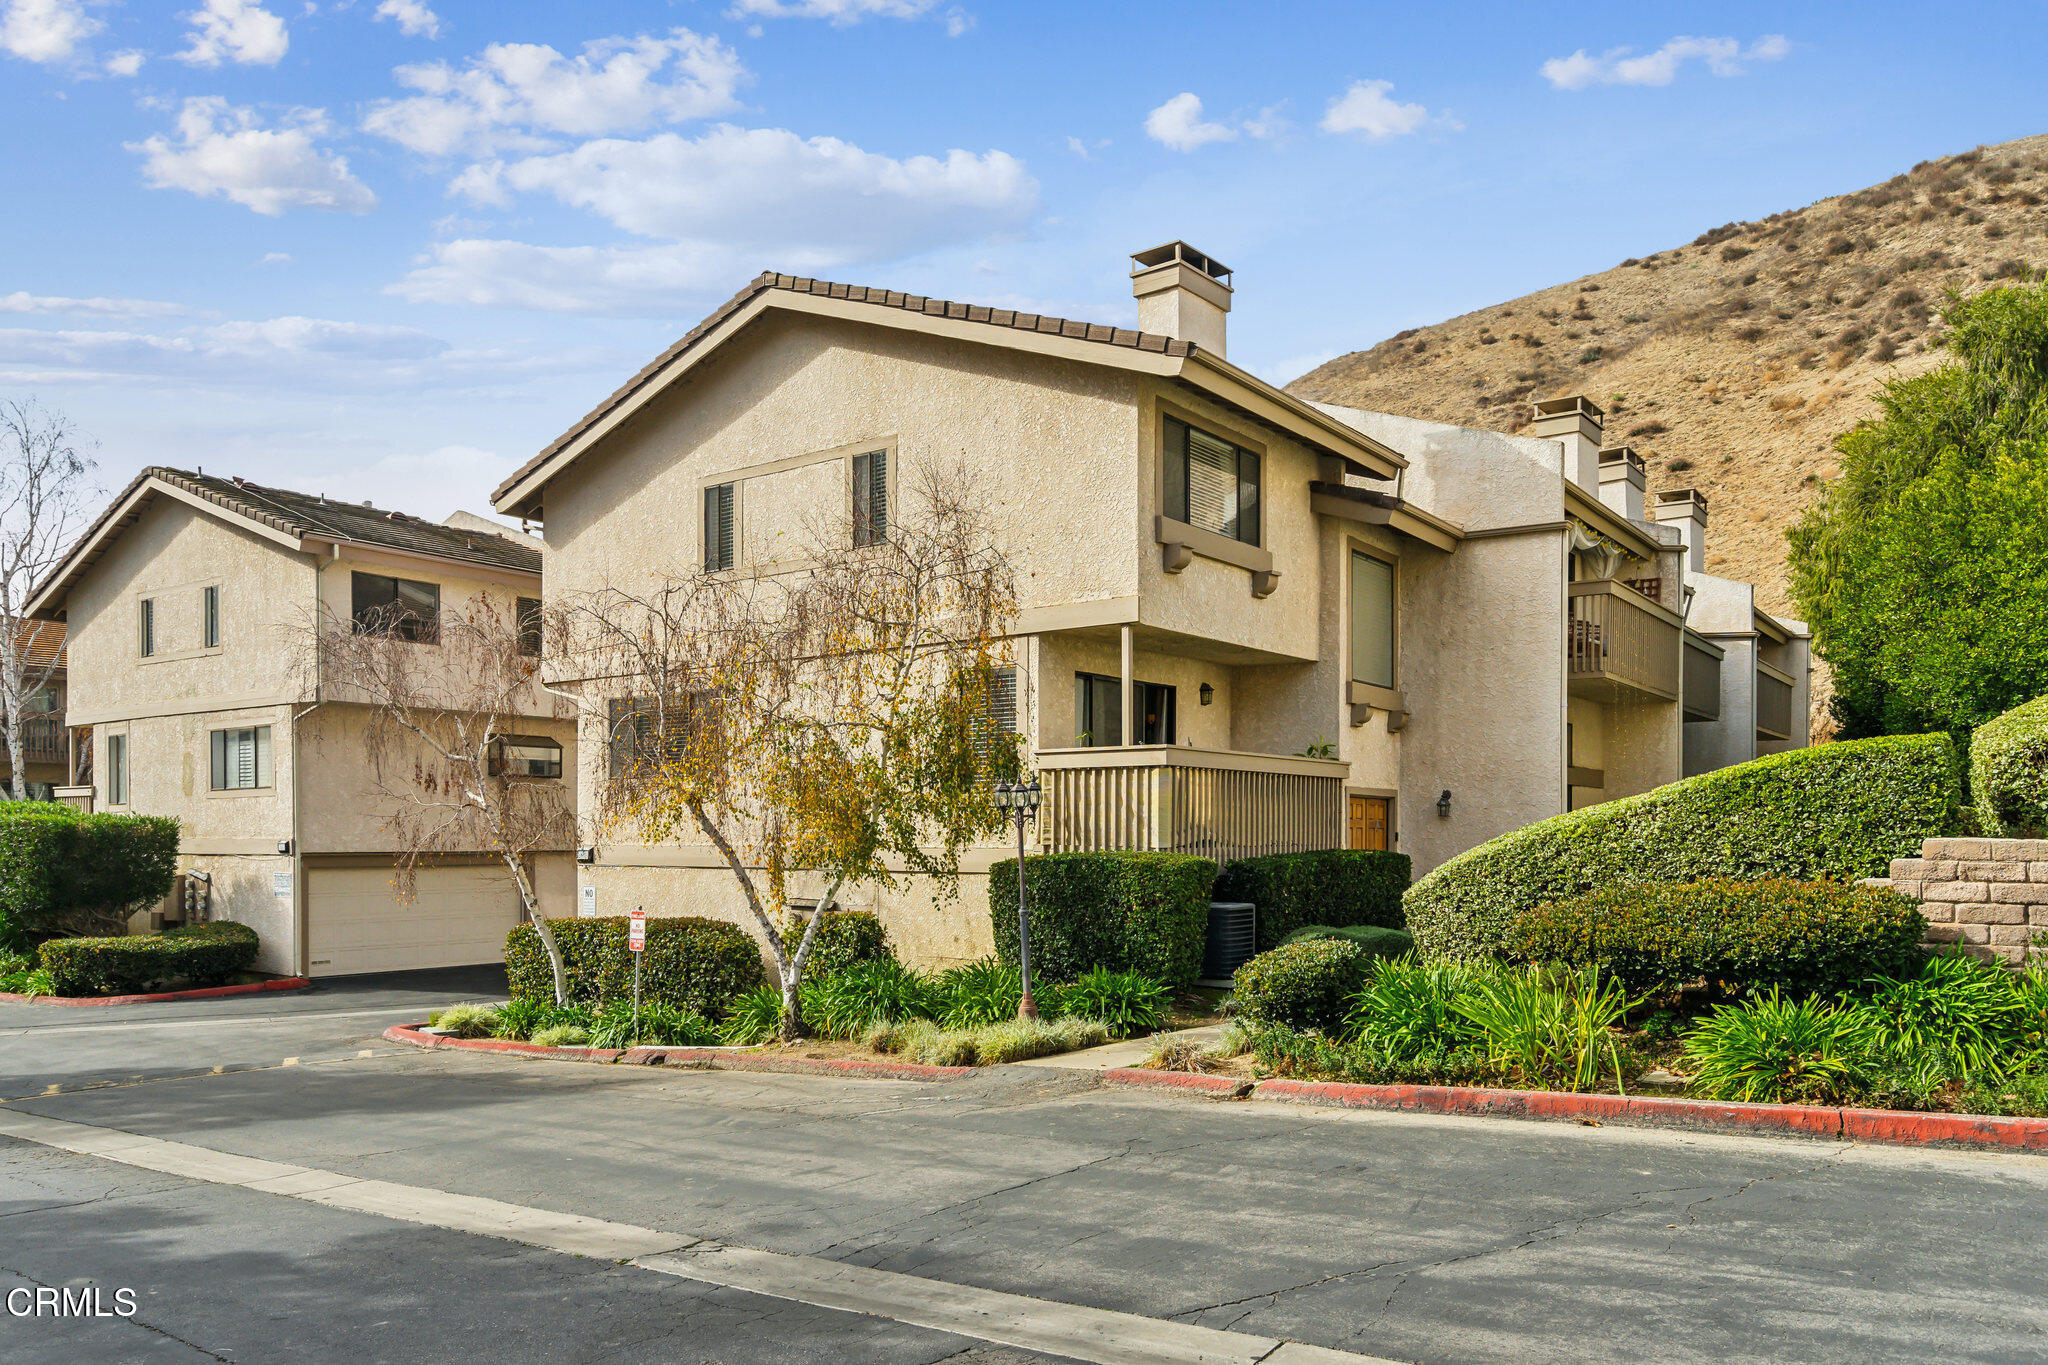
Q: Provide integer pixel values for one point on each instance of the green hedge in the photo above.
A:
(1745, 937)
(56, 862)
(2009, 773)
(1839, 812)
(1129, 912)
(845, 937)
(193, 955)
(1304, 985)
(1377, 942)
(690, 963)
(1334, 886)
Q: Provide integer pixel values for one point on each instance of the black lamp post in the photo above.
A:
(1021, 799)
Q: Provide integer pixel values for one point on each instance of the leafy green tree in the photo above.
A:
(1924, 569)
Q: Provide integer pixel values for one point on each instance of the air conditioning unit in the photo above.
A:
(1232, 941)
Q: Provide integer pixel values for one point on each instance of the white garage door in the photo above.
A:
(355, 921)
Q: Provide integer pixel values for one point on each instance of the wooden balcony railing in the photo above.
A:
(1216, 803)
(1773, 702)
(1702, 678)
(43, 739)
(1618, 641)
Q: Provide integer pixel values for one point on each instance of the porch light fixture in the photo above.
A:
(1020, 799)
(1443, 805)
(284, 846)
(1208, 694)
(586, 854)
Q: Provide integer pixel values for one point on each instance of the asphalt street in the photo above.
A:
(1405, 1237)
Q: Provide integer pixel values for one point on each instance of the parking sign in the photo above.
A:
(636, 931)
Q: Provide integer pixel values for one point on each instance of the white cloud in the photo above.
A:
(45, 30)
(413, 18)
(239, 31)
(513, 94)
(1269, 122)
(837, 12)
(613, 281)
(275, 258)
(224, 150)
(1721, 57)
(21, 301)
(1369, 110)
(1179, 125)
(124, 63)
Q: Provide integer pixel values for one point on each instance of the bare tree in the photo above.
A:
(45, 496)
(830, 720)
(447, 704)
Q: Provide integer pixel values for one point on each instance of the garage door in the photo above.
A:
(355, 921)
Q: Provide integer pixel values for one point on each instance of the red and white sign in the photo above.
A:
(636, 931)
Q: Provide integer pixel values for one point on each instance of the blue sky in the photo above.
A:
(388, 248)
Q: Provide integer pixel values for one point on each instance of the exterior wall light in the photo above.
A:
(1443, 805)
(1021, 799)
(586, 855)
(1208, 693)
(284, 846)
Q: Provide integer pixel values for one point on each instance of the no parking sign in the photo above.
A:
(636, 931)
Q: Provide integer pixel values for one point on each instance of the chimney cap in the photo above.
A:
(1674, 497)
(1571, 403)
(1179, 253)
(1622, 455)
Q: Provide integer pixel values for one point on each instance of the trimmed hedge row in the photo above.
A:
(1136, 912)
(1377, 942)
(1339, 887)
(1840, 811)
(1745, 937)
(2009, 772)
(57, 862)
(1307, 984)
(197, 955)
(689, 962)
(844, 938)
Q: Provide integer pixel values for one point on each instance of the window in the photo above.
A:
(1372, 620)
(146, 626)
(117, 770)
(1098, 711)
(526, 618)
(998, 722)
(209, 617)
(641, 734)
(526, 756)
(718, 528)
(398, 607)
(1211, 484)
(241, 759)
(871, 497)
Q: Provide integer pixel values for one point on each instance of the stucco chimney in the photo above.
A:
(1686, 509)
(1578, 422)
(1182, 294)
(1622, 481)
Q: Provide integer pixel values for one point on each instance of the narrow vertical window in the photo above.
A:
(718, 528)
(526, 618)
(871, 497)
(209, 612)
(146, 626)
(1372, 620)
(117, 770)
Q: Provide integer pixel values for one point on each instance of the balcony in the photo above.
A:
(1702, 678)
(1216, 803)
(1773, 702)
(43, 738)
(1621, 646)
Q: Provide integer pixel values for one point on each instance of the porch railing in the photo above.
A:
(1217, 803)
(44, 738)
(1773, 702)
(1617, 637)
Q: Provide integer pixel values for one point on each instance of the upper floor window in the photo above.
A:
(1372, 620)
(145, 626)
(399, 607)
(643, 734)
(117, 770)
(526, 619)
(1099, 716)
(526, 756)
(871, 497)
(1211, 484)
(241, 758)
(209, 617)
(718, 527)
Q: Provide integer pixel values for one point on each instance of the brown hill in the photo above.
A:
(1732, 363)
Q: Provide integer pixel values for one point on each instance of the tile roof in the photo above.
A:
(855, 293)
(47, 646)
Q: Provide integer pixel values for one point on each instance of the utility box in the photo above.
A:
(1232, 941)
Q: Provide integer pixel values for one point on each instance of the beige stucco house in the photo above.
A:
(1249, 623)
(187, 606)
(45, 736)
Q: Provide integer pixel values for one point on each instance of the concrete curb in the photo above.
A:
(1793, 1120)
(700, 1058)
(283, 983)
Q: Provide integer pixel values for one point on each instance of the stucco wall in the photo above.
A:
(245, 890)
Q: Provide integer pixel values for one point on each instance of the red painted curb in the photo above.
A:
(283, 983)
(1177, 1080)
(415, 1035)
(716, 1059)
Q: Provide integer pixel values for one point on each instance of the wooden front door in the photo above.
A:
(1369, 822)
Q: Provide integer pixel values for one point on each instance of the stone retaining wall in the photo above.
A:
(1990, 895)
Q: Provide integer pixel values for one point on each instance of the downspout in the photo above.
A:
(301, 928)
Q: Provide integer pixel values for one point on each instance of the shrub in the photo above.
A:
(984, 992)
(1301, 985)
(1771, 1048)
(1410, 1008)
(846, 1003)
(659, 1026)
(1139, 912)
(1840, 811)
(2009, 772)
(753, 1016)
(519, 1020)
(1340, 887)
(690, 963)
(1287, 1052)
(466, 1021)
(562, 1035)
(1545, 1026)
(1966, 1014)
(1746, 937)
(197, 955)
(844, 938)
(62, 870)
(1015, 1040)
(1380, 943)
(1125, 1003)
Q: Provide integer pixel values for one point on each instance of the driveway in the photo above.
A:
(1401, 1237)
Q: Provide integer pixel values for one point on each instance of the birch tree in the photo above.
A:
(45, 496)
(829, 722)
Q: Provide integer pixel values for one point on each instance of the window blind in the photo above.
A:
(718, 541)
(209, 612)
(1211, 483)
(241, 758)
(526, 615)
(1372, 620)
(147, 624)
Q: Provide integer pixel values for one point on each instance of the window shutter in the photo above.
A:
(1372, 620)
(871, 497)
(718, 538)
(526, 614)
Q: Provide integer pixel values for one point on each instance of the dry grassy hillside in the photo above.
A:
(1732, 363)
